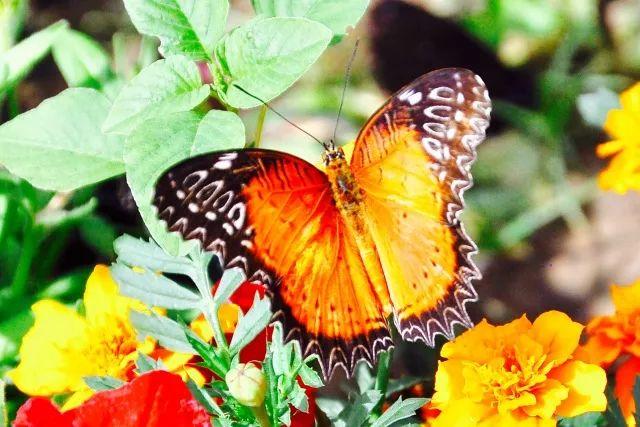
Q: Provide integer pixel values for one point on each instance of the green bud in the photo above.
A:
(247, 384)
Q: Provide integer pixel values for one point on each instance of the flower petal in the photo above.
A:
(449, 383)
(102, 299)
(558, 334)
(586, 384)
(53, 352)
(626, 298)
(625, 380)
(548, 398)
(38, 412)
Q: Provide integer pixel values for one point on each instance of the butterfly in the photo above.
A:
(344, 249)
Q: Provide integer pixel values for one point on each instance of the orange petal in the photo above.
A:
(626, 298)
(548, 397)
(558, 334)
(625, 380)
(599, 350)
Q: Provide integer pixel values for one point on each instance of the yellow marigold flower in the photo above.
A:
(519, 374)
(63, 347)
(618, 334)
(623, 172)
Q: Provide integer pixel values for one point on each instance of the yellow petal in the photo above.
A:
(102, 300)
(201, 327)
(626, 298)
(460, 413)
(449, 383)
(53, 352)
(623, 125)
(549, 395)
(586, 384)
(630, 98)
(77, 398)
(228, 315)
(523, 399)
(558, 334)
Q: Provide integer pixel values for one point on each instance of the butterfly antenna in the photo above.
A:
(324, 145)
(347, 77)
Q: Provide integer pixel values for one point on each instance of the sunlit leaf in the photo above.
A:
(251, 324)
(81, 60)
(169, 333)
(101, 383)
(400, 410)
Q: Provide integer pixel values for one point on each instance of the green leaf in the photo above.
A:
(356, 414)
(203, 397)
(98, 233)
(145, 363)
(251, 324)
(309, 376)
(69, 286)
(298, 398)
(231, 280)
(595, 106)
(166, 86)
(60, 218)
(331, 406)
(188, 27)
(266, 56)
(589, 419)
(81, 60)
(613, 414)
(169, 333)
(154, 290)
(101, 383)
(4, 421)
(162, 142)
(139, 253)
(400, 384)
(21, 58)
(338, 15)
(400, 410)
(59, 146)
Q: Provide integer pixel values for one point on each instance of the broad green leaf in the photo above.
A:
(102, 383)
(400, 410)
(139, 253)
(251, 324)
(162, 142)
(266, 56)
(166, 86)
(154, 290)
(595, 106)
(188, 27)
(229, 283)
(21, 58)
(338, 15)
(169, 333)
(81, 60)
(59, 146)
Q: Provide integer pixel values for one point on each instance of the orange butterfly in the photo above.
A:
(343, 250)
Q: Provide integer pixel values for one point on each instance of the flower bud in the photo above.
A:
(247, 384)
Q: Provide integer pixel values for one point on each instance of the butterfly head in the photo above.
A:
(332, 154)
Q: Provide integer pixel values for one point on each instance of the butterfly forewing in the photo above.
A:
(272, 214)
(413, 161)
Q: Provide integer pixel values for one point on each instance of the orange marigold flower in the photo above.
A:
(611, 336)
(623, 172)
(520, 374)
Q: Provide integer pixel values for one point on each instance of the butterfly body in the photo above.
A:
(372, 236)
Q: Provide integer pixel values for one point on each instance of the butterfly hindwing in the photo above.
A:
(272, 214)
(413, 161)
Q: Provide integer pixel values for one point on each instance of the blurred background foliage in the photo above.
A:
(548, 237)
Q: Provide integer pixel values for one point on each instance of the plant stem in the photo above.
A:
(29, 246)
(261, 415)
(210, 311)
(13, 107)
(382, 381)
(259, 126)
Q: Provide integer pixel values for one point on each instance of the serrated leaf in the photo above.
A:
(310, 377)
(21, 58)
(102, 383)
(162, 142)
(282, 359)
(266, 56)
(153, 289)
(81, 60)
(59, 146)
(595, 106)
(169, 333)
(356, 414)
(137, 252)
(364, 377)
(231, 280)
(166, 86)
(203, 397)
(400, 410)
(145, 363)
(188, 27)
(338, 15)
(298, 398)
(251, 324)
(399, 384)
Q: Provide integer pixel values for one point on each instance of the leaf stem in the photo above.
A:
(261, 415)
(209, 310)
(382, 381)
(29, 246)
(260, 126)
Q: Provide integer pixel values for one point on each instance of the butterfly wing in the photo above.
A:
(413, 161)
(272, 215)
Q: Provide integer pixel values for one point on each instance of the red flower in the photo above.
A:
(155, 399)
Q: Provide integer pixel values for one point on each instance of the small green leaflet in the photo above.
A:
(231, 280)
(146, 363)
(139, 253)
(169, 333)
(400, 410)
(59, 146)
(266, 56)
(102, 383)
(187, 27)
(166, 86)
(251, 324)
